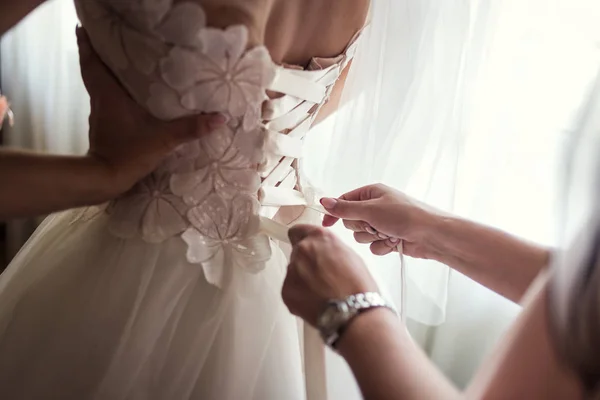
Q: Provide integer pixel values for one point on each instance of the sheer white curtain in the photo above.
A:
(513, 74)
(41, 77)
(542, 60)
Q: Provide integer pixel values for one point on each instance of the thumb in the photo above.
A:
(187, 129)
(344, 209)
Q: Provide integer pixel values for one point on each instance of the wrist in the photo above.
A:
(365, 327)
(338, 314)
(429, 228)
(98, 182)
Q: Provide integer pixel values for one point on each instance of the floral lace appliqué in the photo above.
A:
(226, 233)
(217, 164)
(119, 43)
(207, 191)
(223, 77)
(149, 210)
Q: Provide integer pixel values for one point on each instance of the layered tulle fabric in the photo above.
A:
(86, 315)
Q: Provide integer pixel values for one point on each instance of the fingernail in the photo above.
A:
(392, 242)
(217, 120)
(382, 236)
(370, 230)
(328, 203)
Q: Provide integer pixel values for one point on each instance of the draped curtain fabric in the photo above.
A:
(527, 72)
(542, 62)
(491, 153)
(41, 77)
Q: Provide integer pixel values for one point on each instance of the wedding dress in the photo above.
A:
(172, 291)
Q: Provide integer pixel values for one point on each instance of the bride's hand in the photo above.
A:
(383, 216)
(126, 142)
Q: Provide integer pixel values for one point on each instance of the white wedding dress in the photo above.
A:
(173, 290)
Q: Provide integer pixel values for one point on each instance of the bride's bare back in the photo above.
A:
(292, 30)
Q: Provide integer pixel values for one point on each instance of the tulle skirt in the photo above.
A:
(86, 315)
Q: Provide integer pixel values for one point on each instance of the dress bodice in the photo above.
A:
(219, 193)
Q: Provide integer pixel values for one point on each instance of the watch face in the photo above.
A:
(327, 317)
(334, 315)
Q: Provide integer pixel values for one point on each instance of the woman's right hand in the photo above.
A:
(383, 216)
(126, 142)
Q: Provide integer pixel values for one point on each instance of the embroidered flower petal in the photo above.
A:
(183, 24)
(236, 37)
(224, 48)
(190, 157)
(244, 221)
(189, 150)
(253, 253)
(211, 218)
(252, 117)
(218, 143)
(179, 69)
(250, 144)
(193, 187)
(256, 67)
(164, 103)
(244, 180)
(238, 100)
(207, 252)
(253, 94)
(208, 97)
(225, 190)
(162, 219)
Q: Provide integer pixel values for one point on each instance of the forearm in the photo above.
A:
(14, 11)
(386, 362)
(34, 184)
(497, 260)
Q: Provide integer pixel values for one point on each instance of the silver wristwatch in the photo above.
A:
(336, 316)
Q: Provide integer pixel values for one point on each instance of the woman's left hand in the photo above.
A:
(321, 268)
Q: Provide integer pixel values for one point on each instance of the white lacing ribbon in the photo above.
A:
(295, 112)
(295, 85)
(284, 145)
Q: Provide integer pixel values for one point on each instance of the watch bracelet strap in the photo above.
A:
(362, 302)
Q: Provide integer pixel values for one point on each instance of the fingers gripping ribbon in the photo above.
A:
(310, 199)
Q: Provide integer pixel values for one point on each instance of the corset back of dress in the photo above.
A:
(218, 192)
